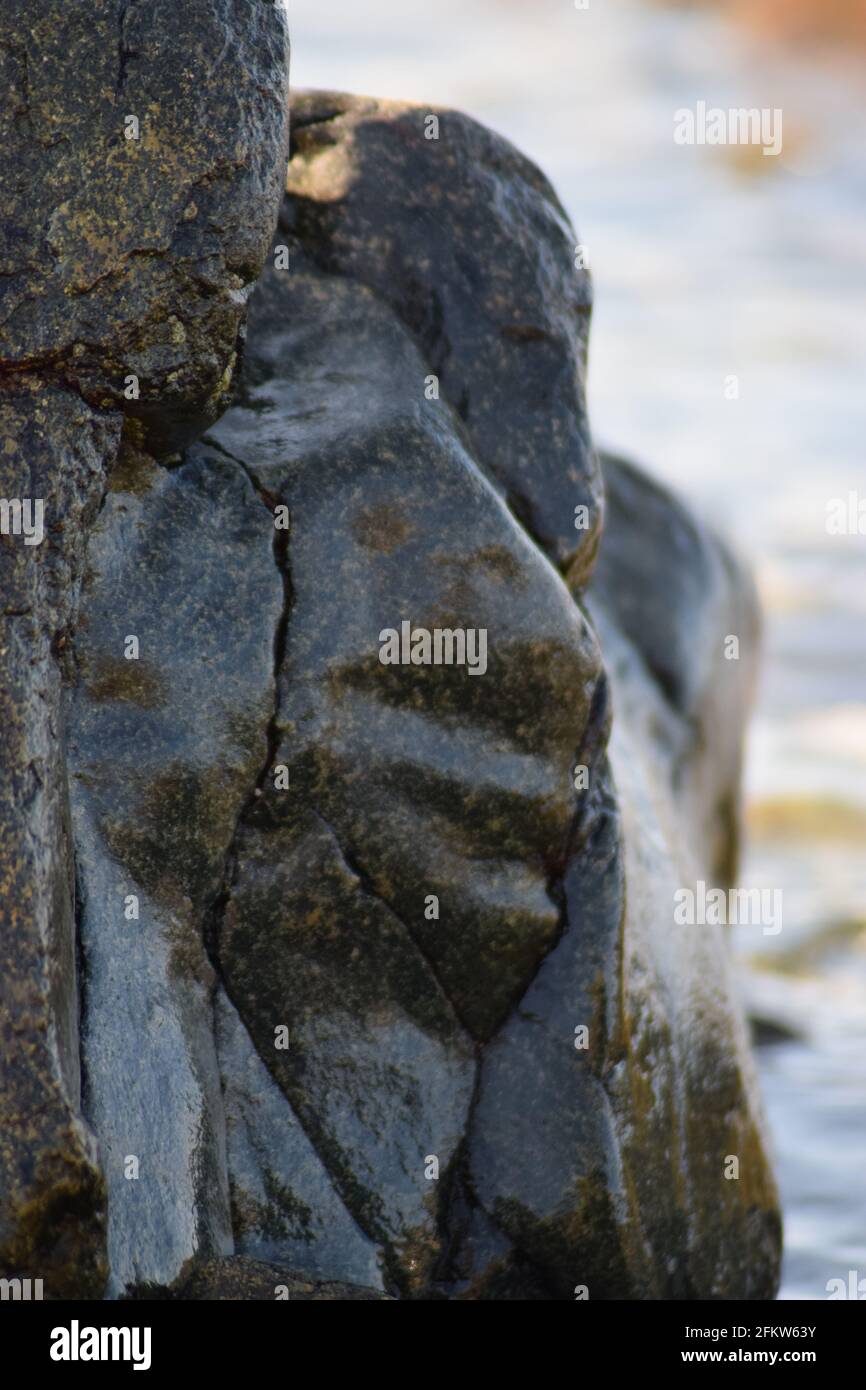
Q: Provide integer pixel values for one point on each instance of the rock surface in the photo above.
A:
(404, 1009)
(242, 1279)
(163, 753)
(144, 148)
(468, 244)
(52, 1204)
(125, 264)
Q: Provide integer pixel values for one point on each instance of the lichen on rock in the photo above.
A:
(328, 1086)
(144, 154)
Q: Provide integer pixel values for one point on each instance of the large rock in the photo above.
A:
(403, 782)
(556, 908)
(405, 1009)
(125, 264)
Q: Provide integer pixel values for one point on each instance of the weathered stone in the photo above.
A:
(164, 753)
(52, 450)
(430, 783)
(391, 518)
(284, 1205)
(544, 1154)
(377, 1070)
(571, 1149)
(686, 1068)
(241, 1279)
(124, 270)
(677, 594)
(467, 242)
(376, 903)
(128, 249)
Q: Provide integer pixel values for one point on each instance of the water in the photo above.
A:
(712, 262)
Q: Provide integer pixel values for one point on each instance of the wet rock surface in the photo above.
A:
(382, 989)
(283, 1201)
(430, 784)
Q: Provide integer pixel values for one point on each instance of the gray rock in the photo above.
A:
(378, 1070)
(464, 238)
(242, 1279)
(676, 594)
(571, 1152)
(406, 1006)
(464, 794)
(284, 1206)
(393, 520)
(52, 1199)
(124, 270)
(164, 752)
(684, 1065)
(556, 908)
(128, 256)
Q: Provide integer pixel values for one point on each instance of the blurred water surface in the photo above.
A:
(712, 262)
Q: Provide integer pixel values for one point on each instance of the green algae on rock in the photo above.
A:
(327, 1089)
(156, 788)
(555, 907)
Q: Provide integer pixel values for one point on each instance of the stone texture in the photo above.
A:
(403, 782)
(392, 519)
(164, 752)
(243, 1279)
(124, 271)
(284, 807)
(284, 1205)
(52, 1202)
(127, 256)
(556, 907)
(571, 1150)
(676, 593)
(685, 1067)
(467, 242)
